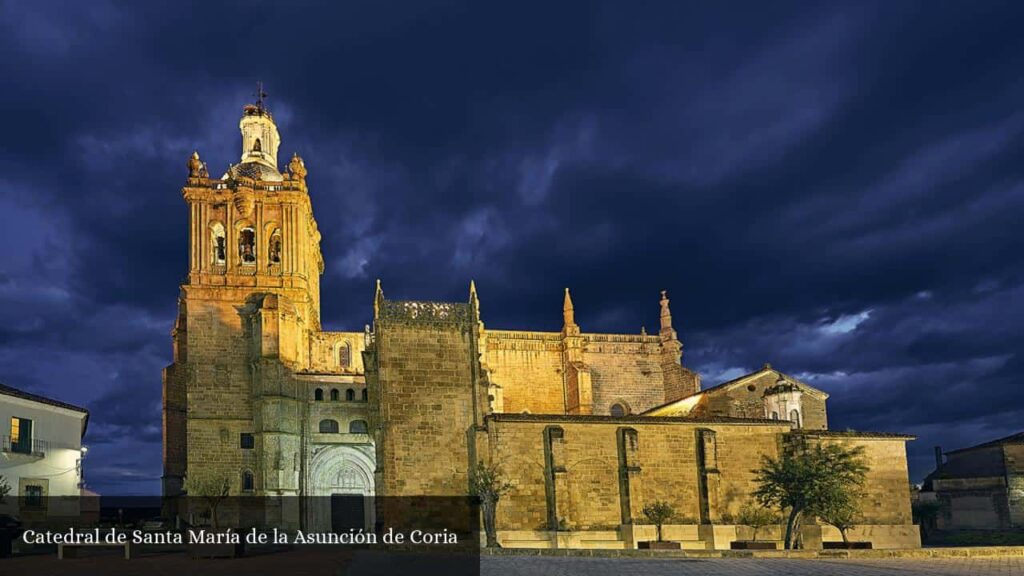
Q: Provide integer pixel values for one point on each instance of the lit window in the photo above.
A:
(21, 435)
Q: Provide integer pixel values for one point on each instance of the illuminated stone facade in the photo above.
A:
(588, 427)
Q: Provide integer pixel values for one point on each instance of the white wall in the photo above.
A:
(61, 429)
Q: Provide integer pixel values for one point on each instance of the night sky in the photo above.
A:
(835, 189)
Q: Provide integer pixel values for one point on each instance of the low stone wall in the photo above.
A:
(709, 536)
(971, 552)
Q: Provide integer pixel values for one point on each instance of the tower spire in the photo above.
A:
(260, 96)
(666, 317)
(568, 313)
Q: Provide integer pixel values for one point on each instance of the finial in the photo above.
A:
(378, 297)
(767, 366)
(195, 165)
(472, 288)
(666, 314)
(643, 330)
(568, 313)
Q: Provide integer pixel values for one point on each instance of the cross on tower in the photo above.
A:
(260, 95)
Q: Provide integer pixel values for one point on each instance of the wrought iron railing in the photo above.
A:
(33, 447)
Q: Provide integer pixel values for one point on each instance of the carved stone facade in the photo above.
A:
(588, 427)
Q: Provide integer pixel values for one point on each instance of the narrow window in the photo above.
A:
(350, 395)
(364, 395)
(247, 246)
(334, 394)
(33, 496)
(328, 426)
(275, 247)
(318, 394)
(345, 355)
(257, 146)
(794, 416)
(248, 481)
(247, 441)
(219, 244)
(775, 415)
(21, 435)
(357, 427)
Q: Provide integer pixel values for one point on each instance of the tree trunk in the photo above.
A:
(846, 541)
(657, 528)
(789, 527)
(489, 508)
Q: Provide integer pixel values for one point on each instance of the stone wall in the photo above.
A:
(588, 494)
(531, 368)
(424, 380)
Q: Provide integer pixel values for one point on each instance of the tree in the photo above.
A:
(213, 489)
(756, 516)
(841, 511)
(658, 513)
(487, 483)
(804, 479)
(5, 488)
(926, 513)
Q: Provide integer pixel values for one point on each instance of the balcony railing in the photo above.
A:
(35, 447)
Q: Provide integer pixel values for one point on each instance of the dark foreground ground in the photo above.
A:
(317, 561)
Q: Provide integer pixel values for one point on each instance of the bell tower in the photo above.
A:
(246, 311)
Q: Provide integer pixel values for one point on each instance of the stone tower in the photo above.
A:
(246, 313)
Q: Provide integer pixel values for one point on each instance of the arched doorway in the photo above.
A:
(341, 489)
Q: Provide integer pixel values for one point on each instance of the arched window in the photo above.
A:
(350, 395)
(248, 481)
(218, 243)
(328, 426)
(357, 427)
(257, 146)
(274, 249)
(247, 246)
(794, 417)
(365, 398)
(775, 415)
(618, 410)
(345, 355)
(318, 394)
(334, 394)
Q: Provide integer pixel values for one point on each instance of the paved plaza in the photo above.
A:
(548, 566)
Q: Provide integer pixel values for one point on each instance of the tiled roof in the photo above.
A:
(632, 418)
(7, 390)
(1017, 438)
(854, 434)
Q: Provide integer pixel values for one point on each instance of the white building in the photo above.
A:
(40, 454)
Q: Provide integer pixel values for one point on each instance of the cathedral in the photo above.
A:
(587, 428)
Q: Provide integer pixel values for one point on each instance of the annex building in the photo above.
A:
(587, 427)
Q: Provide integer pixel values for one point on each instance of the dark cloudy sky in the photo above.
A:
(837, 189)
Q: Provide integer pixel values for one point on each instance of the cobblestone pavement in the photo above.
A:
(547, 566)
